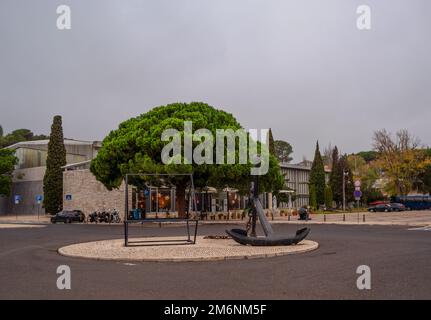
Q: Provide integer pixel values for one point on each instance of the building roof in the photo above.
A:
(35, 143)
(299, 166)
(76, 165)
(294, 166)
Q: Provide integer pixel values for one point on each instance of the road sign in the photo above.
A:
(147, 192)
(358, 183)
(68, 197)
(357, 194)
(39, 199)
(17, 199)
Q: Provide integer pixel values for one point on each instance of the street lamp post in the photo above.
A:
(345, 174)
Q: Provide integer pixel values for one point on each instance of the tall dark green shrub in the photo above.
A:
(317, 176)
(336, 177)
(313, 197)
(328, 197)
(53, 180)
(271, 146)
(349, 183)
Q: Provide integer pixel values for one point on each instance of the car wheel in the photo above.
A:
(68, 221)
(386, 210)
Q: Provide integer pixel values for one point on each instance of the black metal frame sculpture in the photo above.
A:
(270, 239)
(187, 220)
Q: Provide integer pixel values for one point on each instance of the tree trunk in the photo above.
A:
(181, 201)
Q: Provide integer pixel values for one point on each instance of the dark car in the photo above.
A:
(68, 216)
(383, 207)
(397, 207)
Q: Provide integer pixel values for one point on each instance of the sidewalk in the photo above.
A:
(407, 218)
(33, 219)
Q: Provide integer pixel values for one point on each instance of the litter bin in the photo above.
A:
(137, 214)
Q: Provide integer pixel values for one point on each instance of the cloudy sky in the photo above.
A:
(300, 67)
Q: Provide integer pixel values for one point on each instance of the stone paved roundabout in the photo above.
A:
(203, 250)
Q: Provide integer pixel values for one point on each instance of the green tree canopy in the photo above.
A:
(368, 156)
(1, 131)
(19, 135)
(136, 147)
(7, 165)
(283, 150)
(317, 176)
(53, 179)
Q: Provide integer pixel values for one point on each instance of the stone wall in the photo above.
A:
(90, 195)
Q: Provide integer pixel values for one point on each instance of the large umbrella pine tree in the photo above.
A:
(136, 147)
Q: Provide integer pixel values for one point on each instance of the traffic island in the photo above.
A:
(167, 249)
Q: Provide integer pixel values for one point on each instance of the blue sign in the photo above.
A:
(147, 192)
(39, 199)
(357, 194)
(17, 198)
(68, 197)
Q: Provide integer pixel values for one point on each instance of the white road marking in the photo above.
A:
(426, 228)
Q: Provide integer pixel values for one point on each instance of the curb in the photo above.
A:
(313, 245)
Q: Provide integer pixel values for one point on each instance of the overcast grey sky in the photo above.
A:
(300, 67)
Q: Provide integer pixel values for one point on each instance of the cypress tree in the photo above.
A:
(271, 145)
(53, 179)
(317, 176)
(336, 177)
(1, 131)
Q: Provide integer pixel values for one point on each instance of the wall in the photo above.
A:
(90, 195)
(29, 174)
(28, 191)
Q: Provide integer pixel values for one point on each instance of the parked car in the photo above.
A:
(68, 216)
(383, 207)
(397, 207)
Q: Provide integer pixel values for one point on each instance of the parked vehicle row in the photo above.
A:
(105, 216)
(69, 216)
(388, 207)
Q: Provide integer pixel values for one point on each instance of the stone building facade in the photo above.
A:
(81, 191)
(28, 176)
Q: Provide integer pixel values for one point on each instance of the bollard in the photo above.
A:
(344, 217)
(288, 217)
(324, 217)
(363, 218)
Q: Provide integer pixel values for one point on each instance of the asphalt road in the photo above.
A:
(400, 262)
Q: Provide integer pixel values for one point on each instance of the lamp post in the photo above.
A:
(345, 174)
